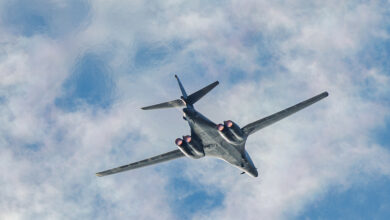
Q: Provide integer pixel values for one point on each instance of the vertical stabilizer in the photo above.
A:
(183, 91)
(185, 100)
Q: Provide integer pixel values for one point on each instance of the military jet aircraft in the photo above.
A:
(225, 141)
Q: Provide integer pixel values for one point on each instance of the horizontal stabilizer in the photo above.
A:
(257, 125)
(185, 101)
(194, 97)
(170, 104)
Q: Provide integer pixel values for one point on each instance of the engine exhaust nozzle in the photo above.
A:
(228, 123)
(179, 141)
(187, 138)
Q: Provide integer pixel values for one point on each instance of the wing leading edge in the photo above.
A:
(150, 161)
(257, 125)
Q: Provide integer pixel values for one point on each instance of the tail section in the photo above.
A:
(185, 100)
(194, 97)
(183, 91)
(170, 104)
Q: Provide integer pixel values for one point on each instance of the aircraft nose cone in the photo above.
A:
(255, 173)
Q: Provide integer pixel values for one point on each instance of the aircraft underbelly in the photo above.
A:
(229, 153)
(215, 145)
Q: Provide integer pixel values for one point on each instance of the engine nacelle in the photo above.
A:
(194, 144)
(234, 129)
(231, 132)
(190, 147)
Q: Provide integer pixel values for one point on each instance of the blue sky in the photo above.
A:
(74, 75)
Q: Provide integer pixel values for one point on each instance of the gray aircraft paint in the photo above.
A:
(225, 144)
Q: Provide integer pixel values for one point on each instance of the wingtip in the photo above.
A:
(326, 93)
(99, 174)
(176, 76)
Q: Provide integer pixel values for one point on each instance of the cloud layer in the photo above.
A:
(74, 74)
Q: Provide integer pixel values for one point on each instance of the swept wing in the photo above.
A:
(257, 125)
(150, 161)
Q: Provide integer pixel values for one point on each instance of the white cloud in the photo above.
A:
(299, 159)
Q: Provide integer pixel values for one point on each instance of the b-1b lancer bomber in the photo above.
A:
(225, 141)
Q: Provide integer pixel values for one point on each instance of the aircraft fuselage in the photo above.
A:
(206, 132)
(224, 141)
